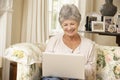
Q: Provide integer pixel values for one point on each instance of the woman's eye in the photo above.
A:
(65, 25)
(72, 23)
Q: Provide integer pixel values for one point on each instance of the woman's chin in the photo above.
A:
(70, 34)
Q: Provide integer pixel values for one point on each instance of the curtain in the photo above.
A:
(5, 34)
(35, 22)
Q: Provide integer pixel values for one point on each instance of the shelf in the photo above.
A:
(102, 33)
(106, 33)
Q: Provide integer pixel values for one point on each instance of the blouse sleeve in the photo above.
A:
(51, 44)
(90, 67)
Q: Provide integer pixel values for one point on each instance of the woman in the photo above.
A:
(71, 42)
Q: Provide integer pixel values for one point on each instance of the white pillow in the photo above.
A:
(25, 53)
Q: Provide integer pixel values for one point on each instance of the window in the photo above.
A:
(54, 8)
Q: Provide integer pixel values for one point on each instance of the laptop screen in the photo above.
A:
(63, 65)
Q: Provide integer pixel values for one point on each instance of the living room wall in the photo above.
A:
(104, 39)
(17, 23)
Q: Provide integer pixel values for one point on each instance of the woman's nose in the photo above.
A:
(69, 27)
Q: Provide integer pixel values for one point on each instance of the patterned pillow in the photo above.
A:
(25, 53)
(108, 63)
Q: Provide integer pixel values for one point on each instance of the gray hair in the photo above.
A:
(69, 11)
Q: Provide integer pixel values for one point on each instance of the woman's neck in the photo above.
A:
(72, 41)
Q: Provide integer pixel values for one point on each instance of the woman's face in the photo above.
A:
(70, 27)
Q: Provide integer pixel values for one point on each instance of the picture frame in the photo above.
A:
(89, 20)
(108, 20)
(112, 28)
(118, 20)
(98, 26)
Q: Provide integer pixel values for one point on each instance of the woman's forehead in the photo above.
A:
(69, 20)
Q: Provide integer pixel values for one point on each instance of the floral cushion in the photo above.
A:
(25, 53)
(108, 63)
(28, 72)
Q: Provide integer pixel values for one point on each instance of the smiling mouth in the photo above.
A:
(71, 31)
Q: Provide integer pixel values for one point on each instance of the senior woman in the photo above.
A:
(71, 41)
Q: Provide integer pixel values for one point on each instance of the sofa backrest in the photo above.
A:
(108, 62)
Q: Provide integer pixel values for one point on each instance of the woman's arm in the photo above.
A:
(90, 67)
(51, 44)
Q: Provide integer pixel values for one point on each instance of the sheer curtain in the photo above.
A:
(35, 22)
(5, 34)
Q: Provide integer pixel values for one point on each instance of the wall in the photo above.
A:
(17, 20)
(100, 39)
(17, 23)
(117, 3)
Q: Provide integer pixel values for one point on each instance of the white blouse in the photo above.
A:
(85, 48)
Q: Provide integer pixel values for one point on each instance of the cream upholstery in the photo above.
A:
(108, 62)
(28, 57)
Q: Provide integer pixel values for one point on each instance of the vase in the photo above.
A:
(108, 9)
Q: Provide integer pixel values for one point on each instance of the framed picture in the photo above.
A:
(89, 20)
(98, 26)
(108, 20)
(112, 28)
(118, 20)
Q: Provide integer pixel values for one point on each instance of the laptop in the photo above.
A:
(63, 65)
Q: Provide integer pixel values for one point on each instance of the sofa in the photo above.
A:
(28, 57)
(108, 63)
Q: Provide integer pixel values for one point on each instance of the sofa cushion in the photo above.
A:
(108, 63)
(25, 53)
